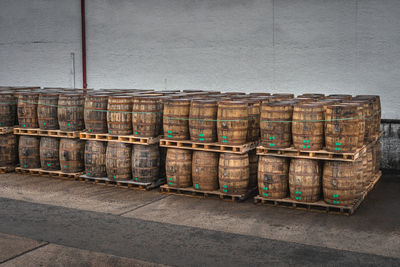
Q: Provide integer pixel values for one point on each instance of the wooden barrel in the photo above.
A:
(342, 182)
(308, 126)
(375, 121)
(163, 156)
(283, 96)
(47, 111)
(95, 113)
(95, 158)
(233, 173)
(203, 120)
(176, 119)
(253, 169)
(49, 153)
(232, 122)
(28, 151)
(254, 110)
(259, 94)
(8, 150)
(119, 115)
(275, 124)
(340, 96)
(145, 163)
(70, 112)
(8, 109)
(342, 128)
(361, 109)
(147, 116)
(27, 110)
(368, 111)
(205, 170)
(178, 167)
(305, 180)
(312, 95)
(118, 161)
(273, 176)
(72, 153)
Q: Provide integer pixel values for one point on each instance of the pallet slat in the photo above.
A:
(191, 192)
(128, 184)
(320, 154)
(7, 169)
(6, 130)
(41, 172)
(212, 147)
(51, 133)
(319, 206)
(130, 139)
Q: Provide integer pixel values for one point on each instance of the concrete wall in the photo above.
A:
(330, 46)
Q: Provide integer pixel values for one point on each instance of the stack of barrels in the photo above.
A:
(336, 123)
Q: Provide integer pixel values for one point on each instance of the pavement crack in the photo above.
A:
(25, 252)
(141, 206)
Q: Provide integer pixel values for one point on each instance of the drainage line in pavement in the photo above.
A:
(25, 252)
(151, 202)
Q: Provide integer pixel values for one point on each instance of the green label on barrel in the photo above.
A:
(114, 177)
(224, 137)
(170, 178)
(224, 190)
(24, 125)
(271, 144)
(88, 173)
(170, 132)
(265, 194)
(335, 202)
(69, 124)
(48, 164)
(201, 134)
(44, 123)
(225, 186)
(65, 166)
(298, 192)
(201, 139)
(224, 141)
(110, 131)
(196, 186)
(272, 138)
(170, 183)
(169, 136)
(89, 130)
(298, 198)
(265, 188)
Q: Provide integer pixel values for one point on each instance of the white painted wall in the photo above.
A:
(330, 46)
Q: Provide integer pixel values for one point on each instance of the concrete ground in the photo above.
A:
(47, 221)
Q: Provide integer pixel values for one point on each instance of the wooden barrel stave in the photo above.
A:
(8, 150)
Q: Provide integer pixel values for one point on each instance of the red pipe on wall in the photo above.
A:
(83, 19)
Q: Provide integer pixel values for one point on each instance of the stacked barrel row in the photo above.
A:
(338, 123)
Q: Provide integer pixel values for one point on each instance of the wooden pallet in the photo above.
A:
(41, 172)
(7, 169)
(191, 192)
(130, 139)
(127, 184)
(51, 133)
(319, 206)
(292, 152)
(6, 130)
(212, 147)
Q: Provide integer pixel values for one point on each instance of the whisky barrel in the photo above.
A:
(95, 158)
(203, 120)
(361, 109)
(342, 182)
(232, 122)
(47, 111)
(342, 128)
(304, 180)
(178, 167)
(283, 96)
(95, 113)
(308, 126)
(275, 124)
(368, 111)
(8, 109)
(273, 176)
(205, 170)
(8, 150)
(119, 115)
(147, 116)
(28, 151)
(253, 169)
(253, 129)
(375, 121)
(340, 96)
(312, 95)
(233, 173)
(118, 161)
(176, 119)
(49, 153)
(70, 112)
(145, 163)
(259, 94)
(27, 109)
(72, 153)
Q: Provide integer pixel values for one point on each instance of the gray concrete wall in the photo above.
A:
(330, 46)
(390, 145)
